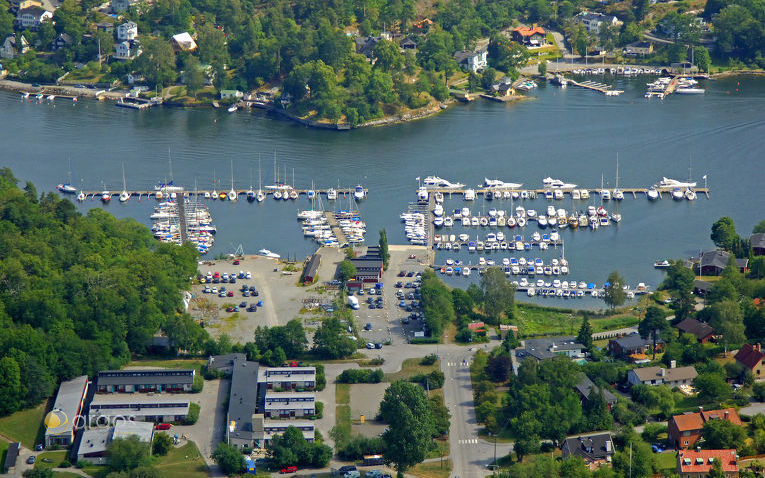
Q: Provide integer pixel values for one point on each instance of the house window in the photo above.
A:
(686, 442)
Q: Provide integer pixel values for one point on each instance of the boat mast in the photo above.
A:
(617, 170)
(124, 184)
(170, 162)
(260, 177)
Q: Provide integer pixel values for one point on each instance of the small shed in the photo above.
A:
(10, 457)
(311, 270)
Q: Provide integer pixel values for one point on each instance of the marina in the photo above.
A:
(592, 85)
(83, 195)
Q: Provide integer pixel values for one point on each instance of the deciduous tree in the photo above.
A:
(410, 424)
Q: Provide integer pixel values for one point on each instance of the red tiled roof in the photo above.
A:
(691, 461)
(695, 421)
(527, 32)
(749, 355)
(476, 325)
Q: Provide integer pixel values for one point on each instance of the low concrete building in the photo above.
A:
(144, 408)
(287, 378)
(242, 405)
(277, 427)
(145, 380)
(289, 404)
(595, 449)
(68, 407)
(95, 441)
(698, 463)
(674, 377)
(11, 455)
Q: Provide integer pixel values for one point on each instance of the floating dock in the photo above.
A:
(599, 87)
(150, 193)
(448, 192)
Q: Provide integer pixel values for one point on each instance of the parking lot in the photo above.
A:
(275, 283)
(386, 323)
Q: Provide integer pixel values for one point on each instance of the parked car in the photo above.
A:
(31, 460)
(252, 308)
(368, 326)
(289, 469)
(39, 447)
(399, 284)
(163, 426)
(656, 448)
(347, 468)
(378, 345)
(243, 304)
(236, 262)
(230, 293)
(370, 345)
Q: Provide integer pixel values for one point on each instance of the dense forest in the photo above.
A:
(79, 293)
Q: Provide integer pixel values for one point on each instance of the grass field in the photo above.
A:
(66, 474)
(544, 321)
(24, 425)
(410, 368)
(432, 470)
(173, 363)
(182, 462)
(50, 459)
(3, 449)
(343, 393)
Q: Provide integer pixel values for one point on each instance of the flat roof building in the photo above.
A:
(288, 378)
(138, 407)
(60, 421)
(95, 441)
(242, 404)
(145, 380)
(10, 457)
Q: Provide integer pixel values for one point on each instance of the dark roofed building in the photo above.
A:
(701, 287)
(366, 45)
(311, 270)
(408, 44)
(373, 252)
(594, 449)
(548, 347)
(224, 363)
(757, 242)
(242, 404)
(585, 387)
(703, 331)
(10, 457)
(713, 263)
(62, 40)
(631, 344)
(368, 269)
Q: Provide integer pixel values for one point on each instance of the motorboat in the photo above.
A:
(548, 194)
(232, 108)
(605, 194)
(674, 183)
(331, 194)
(438, 221)
(359, 192)
(496, 183)
(469, 195)
(652, 193)
(511, 222)
(439, 197)
(575, 194)
(542, 221)
(311, 194)
(557, 194)
(663, 264)
(448, 222)
(584, 193)
(474, 221)
(436, 182)
(465, 212)
(106, 196)
(618, 195)
(66, 188)
(549, 182)
(678, 194)
(690, 194)
(81, 196)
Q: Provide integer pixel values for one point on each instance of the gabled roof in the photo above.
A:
(634, 340)
(729, 414)
(715, 259)
(688, 421)
(749, 355)
(34, 10)
(670, 374)
(585, 387)
(527, 32)
(757, 240)
(696, 421)
(591, 447)
(691, 461)
(692, 326)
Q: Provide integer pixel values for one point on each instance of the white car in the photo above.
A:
(370, 345)
(248, 275)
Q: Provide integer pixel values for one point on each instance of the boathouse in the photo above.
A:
(311, 270)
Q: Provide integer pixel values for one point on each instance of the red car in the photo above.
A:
(236, 262)
(163, 426)
(230, 293)
(289, 469)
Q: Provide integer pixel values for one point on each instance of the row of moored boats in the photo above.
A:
(167, 224)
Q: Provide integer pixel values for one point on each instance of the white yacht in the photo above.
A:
(331, 194)
(359, 192)
(422, 194)
(674, 183)
(269, 254)
(436, 182)
(549, 182)
(497, 183)
(652, 193)
(469, 195)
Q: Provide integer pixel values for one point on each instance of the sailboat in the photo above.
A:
(214, 191)
(81, 194)
(106, 196)
(293, 193)
(67, 187)
(311, 193)
(605, 194)
(124, 195)
(232, 194)
(250, 192)
(618, 194)
(260, 196)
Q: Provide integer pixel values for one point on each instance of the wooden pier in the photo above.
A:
(336, 229)
(599, 87)
(151, 193)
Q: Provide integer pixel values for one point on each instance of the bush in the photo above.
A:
(758, 391)
(652, 431)
(424, 340)
(65, 464)
(162, 444)
(429, 359)
(198, 384)
(319, 410)
(358, 446)
(321, 378)
(193, 415)
(433, 380)
(361, 376)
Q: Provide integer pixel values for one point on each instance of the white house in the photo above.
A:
(127, 31)
(474, 61)
(32, 17)
(127, 50)
(184, 42)
(10, 49)
(593, 21)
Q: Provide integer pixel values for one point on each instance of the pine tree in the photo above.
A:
(585, 333)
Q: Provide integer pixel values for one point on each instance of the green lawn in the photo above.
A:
(343, 393)
(183, 462)
(24, 425)
(666, 461)
(432, 469)
(410, 368)
(66, 474)
(535, 321)
(50, 459)
(172, 363)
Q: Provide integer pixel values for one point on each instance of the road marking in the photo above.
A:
(471, 441)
